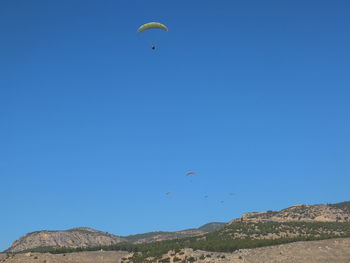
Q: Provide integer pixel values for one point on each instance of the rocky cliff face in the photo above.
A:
(304, 213)
(77, 237)
(88, 237)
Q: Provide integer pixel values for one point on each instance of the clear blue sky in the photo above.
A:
(95, 126)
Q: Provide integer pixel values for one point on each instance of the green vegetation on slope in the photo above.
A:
(230, 238)
(345, 206)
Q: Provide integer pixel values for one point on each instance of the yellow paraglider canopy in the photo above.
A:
(152, 25)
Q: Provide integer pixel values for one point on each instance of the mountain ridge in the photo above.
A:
(88, 237)
(75, 237)
(81, 237)
(339, 212)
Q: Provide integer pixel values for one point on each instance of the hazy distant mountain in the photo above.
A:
(159, 236)
(210, 227)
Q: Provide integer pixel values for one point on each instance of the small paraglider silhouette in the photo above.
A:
(190, 173)
(153, 47)
(168, 193)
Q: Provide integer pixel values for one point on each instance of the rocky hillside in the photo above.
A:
(76, 237)
(325, 251)
(88, 237)
(235, 236)
(304, 213)
(281, 230)
(240, 228)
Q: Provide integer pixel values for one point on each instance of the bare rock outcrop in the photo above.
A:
(72, 238)
(302, 213)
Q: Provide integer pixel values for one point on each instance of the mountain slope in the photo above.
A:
(76, 237)
(303, 213)
(88, 237)
(345, 206)
(210, 227)
(298, 222)
(160, 236)
(325, 251)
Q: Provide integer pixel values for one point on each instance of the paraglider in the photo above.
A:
(190, 173)
(152, 25)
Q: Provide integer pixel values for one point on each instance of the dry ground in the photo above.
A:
(79, 257)
(325, 251)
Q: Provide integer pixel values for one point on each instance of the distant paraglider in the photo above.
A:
(152, 25)
(190, 173)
